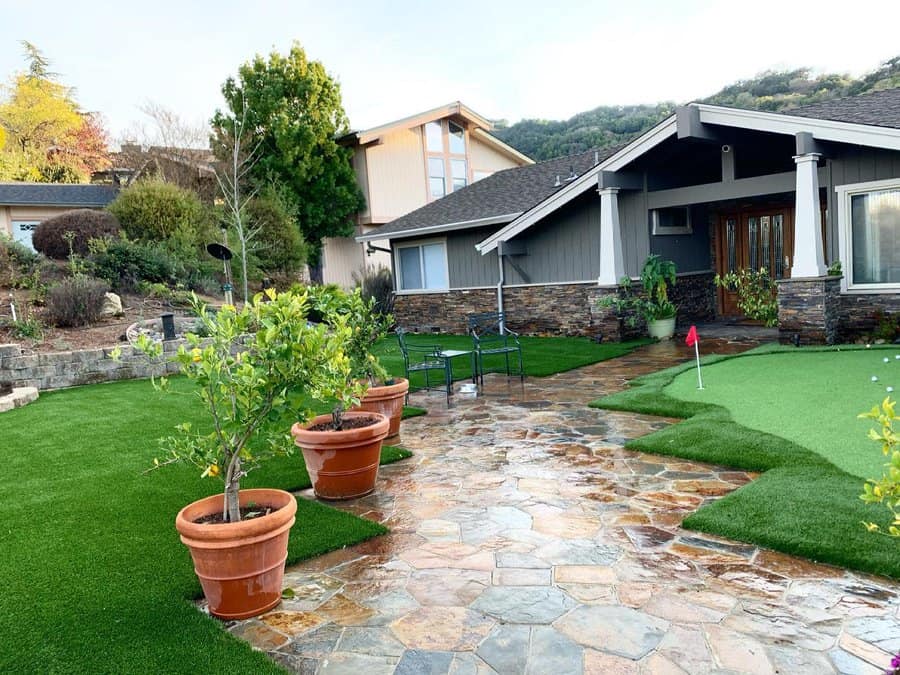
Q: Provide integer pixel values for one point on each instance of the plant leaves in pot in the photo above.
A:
(255, 370)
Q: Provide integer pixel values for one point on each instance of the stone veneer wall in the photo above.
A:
(809, 309)
(69, 369)
(558, 309)
(856, 316)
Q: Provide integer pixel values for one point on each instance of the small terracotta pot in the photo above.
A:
(388, 400)
(240, 565)
(342, 464)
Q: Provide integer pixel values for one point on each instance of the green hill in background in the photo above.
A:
(611, 125)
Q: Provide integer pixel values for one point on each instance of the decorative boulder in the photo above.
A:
(112, 305)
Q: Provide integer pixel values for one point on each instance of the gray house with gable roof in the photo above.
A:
(713, 188)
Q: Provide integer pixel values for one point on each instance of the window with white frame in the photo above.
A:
(448, 165)
(22, 231)
(422, 266)
(869, 230)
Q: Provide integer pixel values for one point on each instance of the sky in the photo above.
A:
(510, 60)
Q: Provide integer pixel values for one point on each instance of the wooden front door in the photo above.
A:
(751, 239)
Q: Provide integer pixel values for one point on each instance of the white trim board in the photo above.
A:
(431, 229)
(584, 182)
(780, 123)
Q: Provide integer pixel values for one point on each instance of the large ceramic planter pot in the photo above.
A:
(662, 329)
(342, 464)
(388, 400)
(240, 565)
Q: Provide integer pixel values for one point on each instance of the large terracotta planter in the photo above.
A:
(388, 400)
(342, 464)
(240, 565)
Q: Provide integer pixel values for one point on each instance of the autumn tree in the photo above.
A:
(48, 137)
(294, 113)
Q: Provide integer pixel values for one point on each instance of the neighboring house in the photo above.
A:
(713, 188)
(405, 164)
(24, 205)
(191, 168)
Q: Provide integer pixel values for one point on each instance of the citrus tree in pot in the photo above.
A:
(342, 449)
(385, 394)
(256, 370)
(655, 307)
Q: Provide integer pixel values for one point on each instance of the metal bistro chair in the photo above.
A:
(490, 336)
(423, 359)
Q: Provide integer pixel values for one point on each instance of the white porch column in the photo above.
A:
(809, 257)
(612, 262)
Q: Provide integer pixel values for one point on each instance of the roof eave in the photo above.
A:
(375, 235)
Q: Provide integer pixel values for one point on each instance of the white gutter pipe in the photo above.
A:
(500, 294)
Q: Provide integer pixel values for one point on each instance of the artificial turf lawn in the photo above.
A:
(541, 356)
(803, 504)
(94, 576)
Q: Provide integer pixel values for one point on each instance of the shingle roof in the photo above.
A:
(55, 194)
(876, 108)
(507, 192)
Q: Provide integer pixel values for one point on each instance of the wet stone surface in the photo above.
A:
(526, 539)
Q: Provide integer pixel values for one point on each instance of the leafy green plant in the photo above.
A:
(757, 294)
(125, 264)
(885, 490)
(256, 371)
(834, 269)
(656, 277)
(28, 327)
(367, 326)
(887, 326)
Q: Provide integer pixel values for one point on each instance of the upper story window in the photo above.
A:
(448, 166)
(869, 229)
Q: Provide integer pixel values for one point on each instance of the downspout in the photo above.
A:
(500, 293)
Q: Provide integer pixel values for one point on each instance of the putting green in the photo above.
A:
(809, 397)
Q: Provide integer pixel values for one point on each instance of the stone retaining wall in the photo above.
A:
(856, 315)
(69, 369)
(558, 309)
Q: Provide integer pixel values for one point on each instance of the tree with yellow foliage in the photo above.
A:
(47, 136)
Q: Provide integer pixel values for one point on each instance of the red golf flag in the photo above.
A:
(692, 337)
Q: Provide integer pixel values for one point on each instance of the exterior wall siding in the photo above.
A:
(485, 158)
(396, 175)
(467, 268)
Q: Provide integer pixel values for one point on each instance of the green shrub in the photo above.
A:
(76, 301)
(27, 328)
(278, 248)
(16, 261)
(49, 237)
(152, 210)
(757, 294)
(124, 264)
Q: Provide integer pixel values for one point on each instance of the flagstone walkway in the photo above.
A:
(525, 539)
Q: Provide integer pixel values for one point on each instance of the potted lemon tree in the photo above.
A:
(384, 394)
(256, 371)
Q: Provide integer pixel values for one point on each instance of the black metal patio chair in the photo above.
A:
(491, 337)
(423, 359)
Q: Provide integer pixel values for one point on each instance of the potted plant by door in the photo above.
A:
(654, 306)
(384, 394)
(342, 450)
(255, 369)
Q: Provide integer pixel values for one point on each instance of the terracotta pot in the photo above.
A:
(388, 400)
(240, 565)
(342, 464)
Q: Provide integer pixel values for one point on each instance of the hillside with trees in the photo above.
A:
(611, 125)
